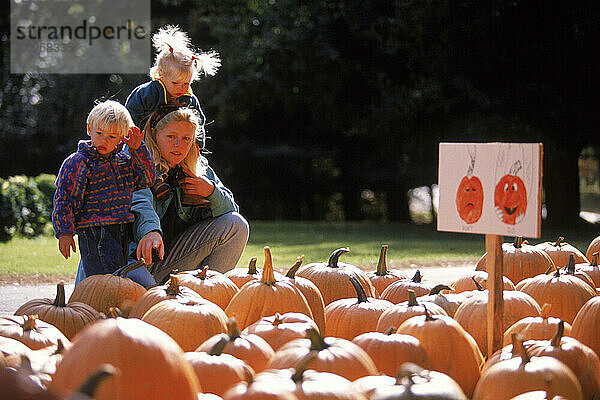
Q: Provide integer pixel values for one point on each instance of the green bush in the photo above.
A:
(25, 205)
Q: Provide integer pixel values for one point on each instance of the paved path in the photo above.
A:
(13, 296)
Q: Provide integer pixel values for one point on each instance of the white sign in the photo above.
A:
(490, 188)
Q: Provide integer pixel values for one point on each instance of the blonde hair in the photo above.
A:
(176, 58)
(194, 161)
(110, 114)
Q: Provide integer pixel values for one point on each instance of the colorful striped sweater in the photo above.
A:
(92, 190)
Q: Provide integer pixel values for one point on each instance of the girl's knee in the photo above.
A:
(237, 223)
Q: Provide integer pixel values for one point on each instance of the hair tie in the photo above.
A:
(170, 50)
(194, 58)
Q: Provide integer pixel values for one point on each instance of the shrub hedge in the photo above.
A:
(26, 205)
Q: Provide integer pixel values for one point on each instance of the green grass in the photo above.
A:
(408, 244)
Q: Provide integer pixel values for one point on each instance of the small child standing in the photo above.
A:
(176, 66)
(95, 186)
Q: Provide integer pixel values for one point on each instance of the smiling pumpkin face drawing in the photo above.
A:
(469, 199)
(510, 199)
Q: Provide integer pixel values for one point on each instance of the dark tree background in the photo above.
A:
(334, 109)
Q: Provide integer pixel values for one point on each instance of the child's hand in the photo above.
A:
(134, 137)
(65, 244)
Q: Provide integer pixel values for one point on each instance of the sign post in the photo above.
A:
(494, 189)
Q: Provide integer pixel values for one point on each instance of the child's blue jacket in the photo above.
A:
(92, 190)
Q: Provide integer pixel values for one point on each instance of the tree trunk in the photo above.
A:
(397, 203)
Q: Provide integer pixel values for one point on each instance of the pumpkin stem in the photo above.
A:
(382, 263)
(560, 330)
(29, 322)
(173, 286)
(518, 242)
(545, 314)
(124, 270)
(570, 267)
(202, 274)
(252, 266)
(557, 273)
(316, 340)
(391, 330)
(59, 301)
(594, 262)
(477, 284)
(360, 292)
(548, 270)
(559, 241)
(268, 277)
(233, 331)
(405, 375)
(89, 386)
(428, 316)
(277, 321)
(417, 277)
(438, 288)
(303, 366)
(114, 312)
(292, 271)
(412, 298)
(335, 256)
(218, 347)
(518, 348)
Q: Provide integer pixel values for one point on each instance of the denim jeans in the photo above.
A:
(101, 248)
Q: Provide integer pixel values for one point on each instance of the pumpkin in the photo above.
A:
(450, 348)
(559, 252)
(311, 293)
(565, 293)
(592, 248)
(591, 269)
(586, 325)
(414, 383)
(217, 371)
(148, 360)
(449, 302)
(397, 292)
(170, 290)
(188, 321)
(110, 290)
(582, 360)
(279, 329)
(467, 282)
(11, 351)
(520, 260)
(368, 384)
(250, 348)
(260, 298)
(518, 375)
(538, 328)
(16, 384)
(348, 318)
(472, 314)
(239, 276)
(469, 199)
(335, 355)
(394, 316)
(574, 270)
(69, 319)
(332, 278)
(42, 363)
(382, 277)
(510, 199)
(30, 331)
(389, 350)
(211, 285)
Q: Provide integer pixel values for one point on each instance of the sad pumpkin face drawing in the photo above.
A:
(510, 199)
(469, 199)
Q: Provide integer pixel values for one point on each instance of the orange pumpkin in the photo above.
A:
(211, 285)
(450, 348)
(279, 329)
(449, 302)
(332, 277)
(394, 316)
(148, 360)
(518, 375)
(257, 299)
(469, 199)
(348, 318)
(593, 247)
(560, 250)
(510, 199)
(397, 292)
(335, 355)
(68, 318)
(538, 328)
(311, 293)
(467, 282)
(591, 269)
(30, 331)
(382, 277)
(586, 326)
(574, 270)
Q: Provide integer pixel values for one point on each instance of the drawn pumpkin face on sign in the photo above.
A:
(510, 197)
(469, 194)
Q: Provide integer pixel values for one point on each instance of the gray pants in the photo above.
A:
(216, 242)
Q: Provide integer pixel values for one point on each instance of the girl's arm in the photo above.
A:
(146, 218)
(221, 199)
